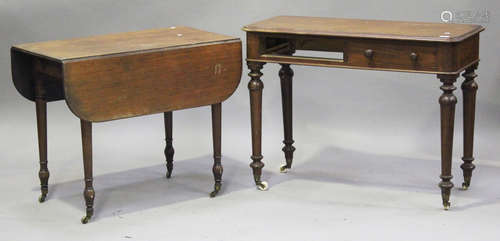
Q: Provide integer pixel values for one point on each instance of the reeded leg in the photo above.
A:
(447, 102)
(216, 135)
(255, 87)
(169, 149)
(88, 192)
(286, 75)
(41, 121)
(469, 89)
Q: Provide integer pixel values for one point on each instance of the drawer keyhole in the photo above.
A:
(369, 53)
(414, 56)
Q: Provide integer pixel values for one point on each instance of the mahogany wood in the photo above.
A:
(435, 48)
(114, 76)
(216, 136)
(447, 101)
(469, 89)
(113, 82)
(255, 86)
(122, 43)
(380, 29)
(286, 75)
(40, 96)
(391, 55)
(41, 121)
(99, 76)
(88, 192)
(169, 149)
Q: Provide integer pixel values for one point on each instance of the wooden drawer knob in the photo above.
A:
(413, 56)
(369, 53)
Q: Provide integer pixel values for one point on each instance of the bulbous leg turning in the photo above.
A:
(286, 76)
(446, 185)
(43, 173)
(469, 89)
(89, 195)
(447, 102)
(217, 171)
(88, 192)
(257, 166)
(255, 87)
(216, 135)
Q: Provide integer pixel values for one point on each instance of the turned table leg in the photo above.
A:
(41, 124)
(255, 87)
(469, 89)
(88, 192)
(286, 75)
(447, 102)
(216, 136)
(169, 149)
(41, 121)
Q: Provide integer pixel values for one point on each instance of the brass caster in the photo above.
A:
(465, 186)
(215, 191)
(284, 169)
(85, 219)
(168, 175)
(446, 206)
(42, 198)
(262, 186)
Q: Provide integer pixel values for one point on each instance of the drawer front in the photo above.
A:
(393, 54)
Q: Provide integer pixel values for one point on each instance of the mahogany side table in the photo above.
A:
(123, 75)
(417, 47)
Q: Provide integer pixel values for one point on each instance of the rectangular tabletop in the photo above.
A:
(437, 48)
(380, 29)
(118, 43)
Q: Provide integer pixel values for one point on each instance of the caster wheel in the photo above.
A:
(446, 206)
(85, 219)
(215, 191)
(262, 186)
(42, 198)
(284, 169)
(465, 186)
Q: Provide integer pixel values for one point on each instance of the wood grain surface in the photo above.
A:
(423, 31)
(146, 40)
(389, 55)
(114, 87)
(369, 45)
(123, 75)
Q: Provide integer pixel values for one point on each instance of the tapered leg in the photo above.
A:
(88, 192)
(286, 75)
(216, 135)
(255, 87)
(41, 121)
(447, 102)
(169, 149)
(469, 89)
